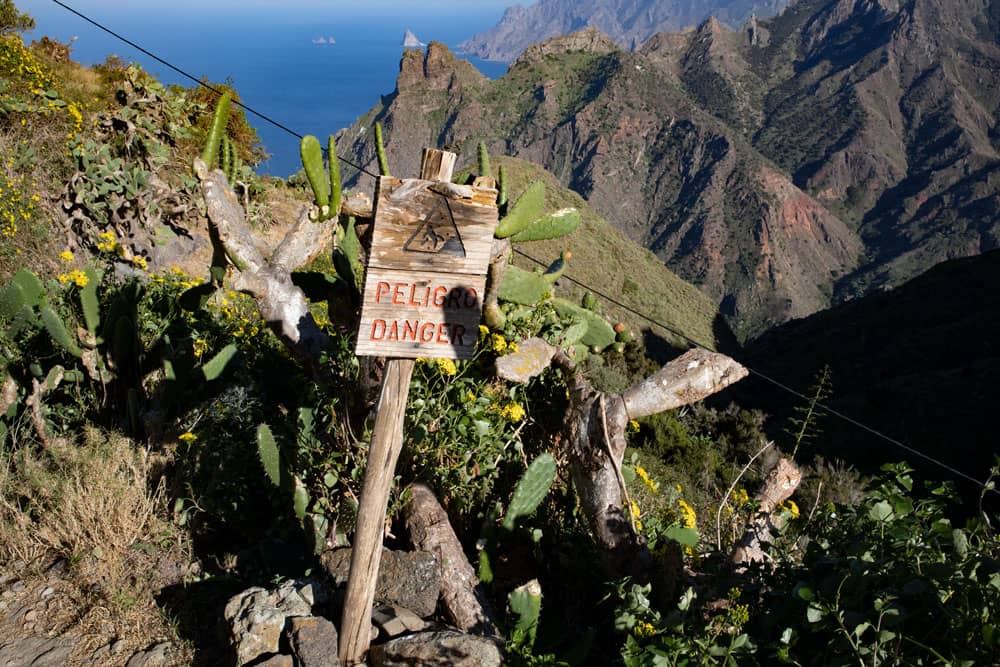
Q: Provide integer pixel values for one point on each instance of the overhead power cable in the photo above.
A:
(766, 378)
(603, 295)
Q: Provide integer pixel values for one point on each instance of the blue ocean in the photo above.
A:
(272, 53)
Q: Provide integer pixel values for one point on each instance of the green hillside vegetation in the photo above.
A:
(621, 269)
(163, 446)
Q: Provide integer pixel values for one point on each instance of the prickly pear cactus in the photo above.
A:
(599, 334)
(531, 490)
(560, 223)
(210, 154)
(267, 451)
(526, 604)
(312, 162)
(526, 209)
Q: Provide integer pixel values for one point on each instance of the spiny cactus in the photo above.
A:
(335, 185)
(346, 254)
(484, 160)
(89, 301)
(524, 287)
(526, 209)
(560, 223)
(502, 190)
(383, 162)
(556, 268)
(526, 604)
(599, 332)
(531, 490)
(217, 364)
(270, 456)
(210, 154)
(312, 161)
(60, 334)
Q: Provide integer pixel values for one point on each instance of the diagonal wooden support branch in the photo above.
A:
(282, 304)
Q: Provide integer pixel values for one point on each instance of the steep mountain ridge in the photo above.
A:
(627, 22)
(619, 130)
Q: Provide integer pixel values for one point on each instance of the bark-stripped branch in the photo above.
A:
(595, 428)
(283, 305)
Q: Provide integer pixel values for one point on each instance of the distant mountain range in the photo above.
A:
(627, 22)
(840, 148)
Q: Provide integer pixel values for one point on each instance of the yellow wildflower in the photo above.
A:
(498, 343)
(633, 426)
(66, 255)
(512, 412)
(446, 367)
(139, 262)
(483, 331)
(642, 630)
(200, 347)
(688, 517)
(512, 347)
(644, 476)
(187, 437)
(791, 507)
(741, 497)
(79, 278)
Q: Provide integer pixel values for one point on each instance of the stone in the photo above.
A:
(155, 656)
(257, 616)
(313, 640)
(47, 592)
(36, 652)
(410, 579)
(445, 648)
(394, 621)
(277, 661)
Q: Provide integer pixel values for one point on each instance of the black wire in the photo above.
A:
(604, 296)
(767, 378)
(201, 83)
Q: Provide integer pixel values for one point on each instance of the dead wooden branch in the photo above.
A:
(283, 305)
(429, 529)
(778, 487)
(595, 429)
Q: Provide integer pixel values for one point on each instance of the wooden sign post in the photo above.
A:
(424, 283)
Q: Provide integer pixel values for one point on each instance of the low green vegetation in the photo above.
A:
(149, 411)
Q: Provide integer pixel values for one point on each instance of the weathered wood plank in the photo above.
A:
(422, 226)
(429, 314)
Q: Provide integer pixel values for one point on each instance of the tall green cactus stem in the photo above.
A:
(484, 160)
(560, 223)
(335, 185)
(267, 451)
(345, 255)
(383, 163)
(210, 154)
(217, 364)
(312, 161)
(526, 209)
(531, 490)
(526, 603)
(502, 190)
(524, 287)
(89, 302)
(60, 334)
(599, 332)
(226, 157)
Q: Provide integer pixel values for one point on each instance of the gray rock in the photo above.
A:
(36, 652)
(446, 648)
(257, 616)
(394, 621)
(155, 656)
(410, 579)
(277, 661)
(313, 640)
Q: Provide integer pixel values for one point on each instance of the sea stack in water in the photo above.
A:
(410, 40)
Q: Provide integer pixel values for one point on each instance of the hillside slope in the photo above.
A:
(620, 131)
(920, 362)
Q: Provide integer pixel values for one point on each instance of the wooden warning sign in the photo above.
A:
(431, 245)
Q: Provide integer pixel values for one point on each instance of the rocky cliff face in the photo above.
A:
(841, 147)
(627, 22)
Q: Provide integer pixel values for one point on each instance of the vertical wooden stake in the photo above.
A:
(383, 453)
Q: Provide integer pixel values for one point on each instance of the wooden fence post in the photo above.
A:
(383, 454)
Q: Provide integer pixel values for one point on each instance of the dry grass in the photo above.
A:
(88, 502)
